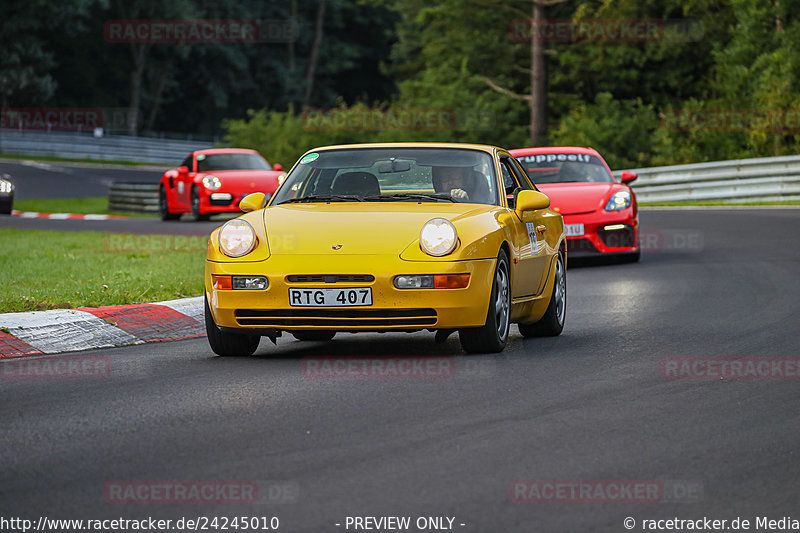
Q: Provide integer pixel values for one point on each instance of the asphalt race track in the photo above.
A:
(39, 179)
(591, 405)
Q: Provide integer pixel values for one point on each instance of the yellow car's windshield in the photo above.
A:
(392, 174)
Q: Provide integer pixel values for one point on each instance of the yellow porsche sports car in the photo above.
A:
(390, 237)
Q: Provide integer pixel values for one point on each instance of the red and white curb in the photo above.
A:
(64, 216)
(68, 330)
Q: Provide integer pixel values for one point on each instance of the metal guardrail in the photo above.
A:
(133, 197)
(739, 180)
(108, 147)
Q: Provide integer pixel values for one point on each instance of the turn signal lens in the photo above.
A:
(221, 283)
(450, 281)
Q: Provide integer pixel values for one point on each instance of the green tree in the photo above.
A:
(26, 59)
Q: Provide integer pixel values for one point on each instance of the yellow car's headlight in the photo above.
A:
(212, 182)
(438, 237)
(237, 238)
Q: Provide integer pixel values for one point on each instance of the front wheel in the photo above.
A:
(492, 336)
(552, 323)
(198, 216)
(228, 344)
(163, 207)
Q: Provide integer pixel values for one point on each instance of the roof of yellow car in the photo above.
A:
(484, 147)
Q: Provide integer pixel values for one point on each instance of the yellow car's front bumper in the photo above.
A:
(391, 309)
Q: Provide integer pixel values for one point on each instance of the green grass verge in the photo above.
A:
(55, 159)
(716, 202)
(80, 206)
(53, 269)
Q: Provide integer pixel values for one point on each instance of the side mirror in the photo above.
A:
(627, 176)
(531, 200)
(253, 201)
(183, 170)
(277, 166)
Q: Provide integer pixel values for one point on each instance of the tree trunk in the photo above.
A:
(162, 81)
(293, 17)
(538, 79)
(139, 53)
(312, 60)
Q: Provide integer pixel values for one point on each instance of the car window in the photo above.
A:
(392, 174)
(188, 164)
(207, 162)
(525, 180)
(562, 168)
(513, 181)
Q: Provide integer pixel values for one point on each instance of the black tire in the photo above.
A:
(313, 335)
(196, 206)
(163, 207)
(552, 323)
(229, 344)
(492, 336)
(6, 206)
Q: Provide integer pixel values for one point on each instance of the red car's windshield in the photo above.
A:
(562, 168)
(206, 162)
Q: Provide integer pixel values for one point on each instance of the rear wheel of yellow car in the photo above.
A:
(552, 323)
(232, 344)
(492, 336)
(317, 336)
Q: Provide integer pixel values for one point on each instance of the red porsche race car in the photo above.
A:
(601, 216)
(215, 181)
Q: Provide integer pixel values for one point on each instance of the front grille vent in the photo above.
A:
(330, 278)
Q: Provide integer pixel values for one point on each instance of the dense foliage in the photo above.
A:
(716, 79)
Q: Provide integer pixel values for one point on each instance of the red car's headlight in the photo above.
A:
(619, 200)
(212, 183)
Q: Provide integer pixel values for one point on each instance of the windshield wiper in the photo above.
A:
(324, 198)
(403, 196)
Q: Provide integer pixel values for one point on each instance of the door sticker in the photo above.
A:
(532, 235)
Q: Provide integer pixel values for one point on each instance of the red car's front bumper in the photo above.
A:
(220, 201)
(604, 232)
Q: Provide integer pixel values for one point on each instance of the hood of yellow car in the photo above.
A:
(355, 227)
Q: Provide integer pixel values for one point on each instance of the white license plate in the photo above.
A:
(573, 230)
(345, 296)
